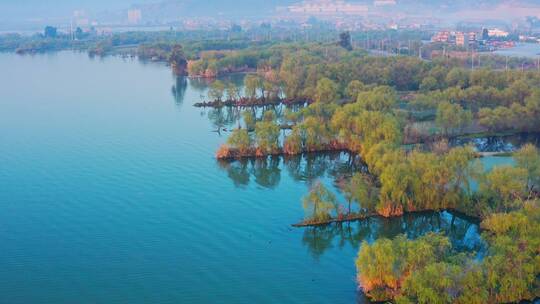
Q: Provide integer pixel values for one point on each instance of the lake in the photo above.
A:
(522, 50)
(111, 194)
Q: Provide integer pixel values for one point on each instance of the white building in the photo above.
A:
(497, 33)
(327, 8)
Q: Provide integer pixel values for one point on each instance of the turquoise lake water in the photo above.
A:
(111, 194)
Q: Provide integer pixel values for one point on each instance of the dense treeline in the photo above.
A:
(457, 99)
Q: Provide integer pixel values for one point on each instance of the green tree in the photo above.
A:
(398, 182)
(326, 91)
(528, 158)
(433, 284)
(361, 189)
(457, 77)
(233, 92)
(249, 120)
(385, 264)
(240, 140)
(452, 117)
(319, 203)
(252, 84)
(177, 59)
(217, 89)
(428, 84)
(293, 143)
(504, 185)
(354, 88)
(267, 136)
(381, 98)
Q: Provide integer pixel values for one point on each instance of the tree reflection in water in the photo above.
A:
(462, 232)
(266, 171)
(178, 89)
(499, 143)
(226, 117)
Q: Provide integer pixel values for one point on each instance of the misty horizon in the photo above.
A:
(33, 14)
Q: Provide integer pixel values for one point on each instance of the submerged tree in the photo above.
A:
(217, 90)
(249, 120)
(240, 140)
(252, 84)
(233, 93)
(267, 135)
(361, 189)
(319, 203)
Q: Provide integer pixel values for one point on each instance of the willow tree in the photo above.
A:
(240, 140)
(381, 98)
(267, 136)
(384, 265)
(504, 185)
(528, 158)
(293, 143)
(233, 93)
(354, 88)
(361, 189)
(397, 194)
(326, 91)
(319, 203)
(217, 90)
(249, 120)
(452, 118)
(252, 84)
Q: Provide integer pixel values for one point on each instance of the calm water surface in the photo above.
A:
(523, 50)
(110, 194)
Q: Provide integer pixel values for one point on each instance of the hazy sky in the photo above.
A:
(17, 9)
(15, 12)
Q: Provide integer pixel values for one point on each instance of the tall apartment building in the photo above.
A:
(462, 39)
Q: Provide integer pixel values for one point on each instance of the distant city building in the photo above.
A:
(462, 39)
(384, 2)
(327, 8)
(485, 34)
(443, 36)
(497, 33)
(134, 16)
(472, 37)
